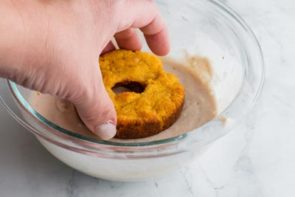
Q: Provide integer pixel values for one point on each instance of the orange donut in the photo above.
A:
(147, 99)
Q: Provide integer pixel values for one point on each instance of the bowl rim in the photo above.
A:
(174, 140)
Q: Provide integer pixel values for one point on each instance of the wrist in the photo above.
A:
(21, 44)
(11, 39)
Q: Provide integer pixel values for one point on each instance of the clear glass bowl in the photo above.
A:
(201, 27)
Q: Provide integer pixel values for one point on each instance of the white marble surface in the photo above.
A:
(257, 159)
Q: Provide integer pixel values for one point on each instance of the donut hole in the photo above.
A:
(128, 86)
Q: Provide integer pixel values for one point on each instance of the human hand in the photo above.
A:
(53, 47)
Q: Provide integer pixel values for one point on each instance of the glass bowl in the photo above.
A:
(203, 27)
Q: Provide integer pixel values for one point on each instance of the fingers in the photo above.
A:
(108, 48)
(128, 39)
(96, 109)
(156, 36)
(143, 14)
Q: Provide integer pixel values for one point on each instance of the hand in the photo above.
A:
(53, 47)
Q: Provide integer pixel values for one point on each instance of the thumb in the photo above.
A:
(96, 109)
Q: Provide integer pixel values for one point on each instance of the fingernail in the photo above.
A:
(106, 131)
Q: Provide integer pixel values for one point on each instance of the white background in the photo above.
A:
(257, 159)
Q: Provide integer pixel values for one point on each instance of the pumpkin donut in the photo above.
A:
(147, 99)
